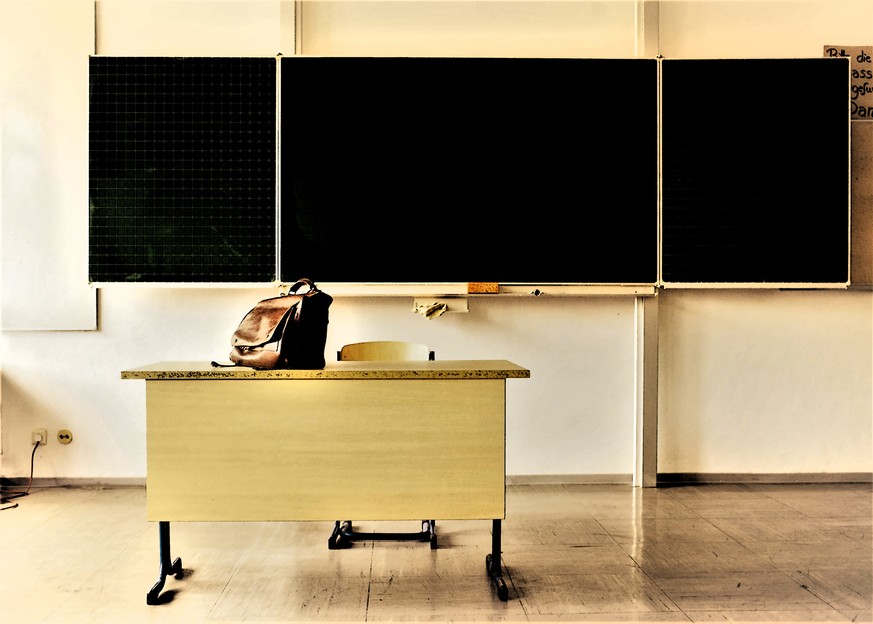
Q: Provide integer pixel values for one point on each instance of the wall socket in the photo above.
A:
(39, 435)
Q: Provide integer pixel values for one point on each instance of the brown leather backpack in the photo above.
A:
(288, 331)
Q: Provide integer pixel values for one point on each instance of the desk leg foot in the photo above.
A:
(428, 528)
(341, 536)
(492, 562)
(168, 566)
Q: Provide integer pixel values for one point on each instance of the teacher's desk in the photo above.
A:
(364, 440)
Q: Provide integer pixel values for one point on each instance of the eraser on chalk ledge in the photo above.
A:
(482, 287)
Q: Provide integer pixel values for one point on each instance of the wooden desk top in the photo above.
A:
(442, 369)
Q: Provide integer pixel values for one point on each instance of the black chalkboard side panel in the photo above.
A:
(429, 170)
(182, 167)
(755, 164)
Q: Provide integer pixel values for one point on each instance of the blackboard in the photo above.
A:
(430, 170)
(469, 170)
(182, 168)
(755, 167)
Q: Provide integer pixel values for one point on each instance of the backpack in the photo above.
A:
(288, 331)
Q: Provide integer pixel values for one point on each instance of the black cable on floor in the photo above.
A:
(11, 495)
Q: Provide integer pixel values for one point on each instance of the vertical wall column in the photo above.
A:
(646, 391)
(646, 43)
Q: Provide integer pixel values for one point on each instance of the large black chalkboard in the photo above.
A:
(755, 167)
(182, 166)
(469, 169)
(425, 170)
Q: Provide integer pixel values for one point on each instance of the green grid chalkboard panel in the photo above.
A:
(182, 169)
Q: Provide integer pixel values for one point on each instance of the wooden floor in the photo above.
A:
(571, 553)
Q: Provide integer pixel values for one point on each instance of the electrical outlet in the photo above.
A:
(39, 435)
(65, 436)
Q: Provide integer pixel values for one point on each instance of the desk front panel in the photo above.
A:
(261, 450)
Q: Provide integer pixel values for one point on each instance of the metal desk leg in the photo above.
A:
(492, 561)
(167, 567)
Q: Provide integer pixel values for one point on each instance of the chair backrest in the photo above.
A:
(385, 350)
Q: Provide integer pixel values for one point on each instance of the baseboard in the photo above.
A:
(665, 479)
(560, 479)
(693, 478)
(18, 482)
(49, 482)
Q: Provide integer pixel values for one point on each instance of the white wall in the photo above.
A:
(43, 129)
(753, 29)
(749, 381)
(464, 28)
(764, 382)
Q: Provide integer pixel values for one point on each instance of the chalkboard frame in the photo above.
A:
(517, 168)
(429, 252)
(755, 187)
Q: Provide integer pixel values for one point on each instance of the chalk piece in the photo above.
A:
(482, 287)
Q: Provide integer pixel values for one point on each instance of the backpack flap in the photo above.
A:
(260, 325)
(257, 340)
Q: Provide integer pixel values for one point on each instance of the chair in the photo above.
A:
(382, 350)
